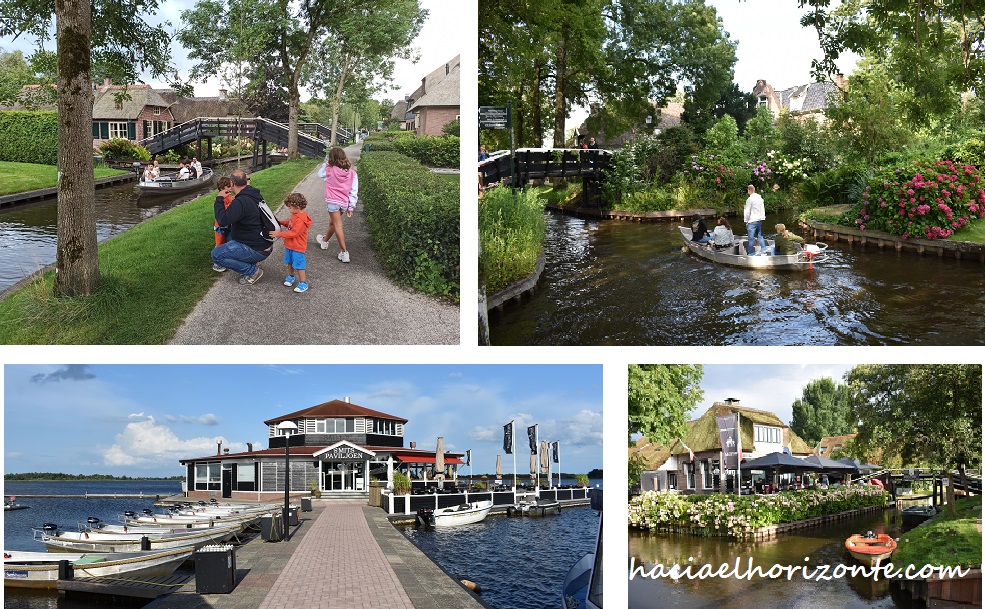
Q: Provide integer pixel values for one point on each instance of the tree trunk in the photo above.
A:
(293, 110)
(337, 98)
(950, 494)
(559, 101)
(77, 265)
(537, 118)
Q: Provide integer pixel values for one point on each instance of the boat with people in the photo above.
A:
(55, 540)
(915, 514)
(737, 254)
(172, 183)
(9, 504)
(870, 548)
(465, 513)
(537, 507)
(40, 569)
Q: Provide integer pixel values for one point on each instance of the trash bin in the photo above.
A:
(305, 504)
(271, 528)
(215, 569)
(292, 517)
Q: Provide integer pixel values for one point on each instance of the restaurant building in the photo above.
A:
(692, 464)
(338, 449)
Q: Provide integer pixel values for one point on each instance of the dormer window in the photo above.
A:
(770, 435)
(157, 111)
(763, 101)
(823, 449)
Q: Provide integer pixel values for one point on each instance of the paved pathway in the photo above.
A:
(352, 303)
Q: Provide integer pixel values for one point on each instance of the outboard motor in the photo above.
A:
(147, 511)
(93, 522)
(49, 528)
(425, 518)
(130, 514)
(869, 535)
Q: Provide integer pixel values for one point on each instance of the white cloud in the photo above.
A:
(14, 454)
(456, 375)
(170, 418)
(139, 416)
(146, 443)
(209, 419)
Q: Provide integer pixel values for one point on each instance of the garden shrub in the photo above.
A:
(119, 148)
(924, 200)
(29, 136)
(414, 220)
(444, 151)
(452, 128)
(511, 235)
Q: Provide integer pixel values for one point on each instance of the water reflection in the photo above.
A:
(28, 234)
(809, 548)
(620, 283)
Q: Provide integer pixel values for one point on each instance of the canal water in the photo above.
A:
(520, 563)
(67, 513)
(29, 234)
(626, 283)
(822, 546)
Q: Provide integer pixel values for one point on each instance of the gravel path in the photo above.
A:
(347, 304)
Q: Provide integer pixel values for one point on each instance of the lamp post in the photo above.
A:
(287, 428)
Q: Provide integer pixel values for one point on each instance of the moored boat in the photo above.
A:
(736, 254)
(534, 508)
(40, 569)
(870, 549)
(584, 579)
(465, 513)
(69, 541)
(915, 514)
(8, 504)
(171, 183)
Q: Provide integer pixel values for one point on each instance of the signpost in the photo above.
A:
(501, 117)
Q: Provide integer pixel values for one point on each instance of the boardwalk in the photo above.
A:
(347, 304)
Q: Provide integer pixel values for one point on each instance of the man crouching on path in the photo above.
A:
(249, 242)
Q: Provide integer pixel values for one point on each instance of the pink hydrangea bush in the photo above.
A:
(925, 201)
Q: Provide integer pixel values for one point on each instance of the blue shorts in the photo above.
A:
(297, 260)
(333, 207)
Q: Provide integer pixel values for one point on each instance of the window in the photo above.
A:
(706, 474)
(823, 449)
(208, 476)
(672, 480)
(689, 469)
(157, 111)
(385, 427)
(245, 473)
(771, 435)
(716, 477)
(280, 432)
(152, 128)
(118, 130)
(763, 101)
(320, 426)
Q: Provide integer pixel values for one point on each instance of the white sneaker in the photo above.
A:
(321, 241)
(344, 256)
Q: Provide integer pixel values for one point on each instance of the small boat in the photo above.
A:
(466, 513)
(736, 254)
(915, 514)
(40, 569)
(582, 586)
(171, 183)
(8, 504)
(69, 541)
(870, 548)
(534, 508)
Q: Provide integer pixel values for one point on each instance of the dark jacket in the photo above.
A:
(244, 219)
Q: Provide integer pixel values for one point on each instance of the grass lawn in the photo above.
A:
(974, 231)
(945, 540)
(153, 275)
(20, 177)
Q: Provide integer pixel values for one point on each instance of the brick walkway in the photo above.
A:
(338, 565)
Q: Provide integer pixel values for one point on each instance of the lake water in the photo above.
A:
(627, 283)
(519, 562)
(822, 545)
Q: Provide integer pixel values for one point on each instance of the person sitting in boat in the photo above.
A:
(784, 244)
(197, 165)
(156, 171)
(183, 173)
(699, 232)
(148, 173)
(722, 236)
(192, 171)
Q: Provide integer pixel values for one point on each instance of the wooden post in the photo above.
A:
(65, 570)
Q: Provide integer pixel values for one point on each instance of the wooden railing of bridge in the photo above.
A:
(543, 163)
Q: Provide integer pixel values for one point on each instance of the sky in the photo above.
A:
(140, 419)
(772, 387)
(441, 39)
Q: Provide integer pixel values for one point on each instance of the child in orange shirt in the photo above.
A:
(225, 191)
(295, 240)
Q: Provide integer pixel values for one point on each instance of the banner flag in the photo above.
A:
(728, 431)
(508, 438)
(468, 457)
(557, 451)
(532, 436)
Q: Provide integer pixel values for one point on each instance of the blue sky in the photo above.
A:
(140, 419)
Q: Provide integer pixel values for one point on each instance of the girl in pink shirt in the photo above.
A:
(341, 193)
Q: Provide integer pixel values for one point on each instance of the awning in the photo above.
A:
(422, 459)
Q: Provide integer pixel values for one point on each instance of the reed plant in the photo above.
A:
(511, 236)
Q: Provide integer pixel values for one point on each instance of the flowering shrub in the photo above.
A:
(928, 201)
(736, 515)
(709, 171)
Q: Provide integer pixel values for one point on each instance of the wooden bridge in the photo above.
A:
(313, 138)
(542, 163)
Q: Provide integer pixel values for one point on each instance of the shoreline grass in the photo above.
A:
(945, 540)
(511, 235)
(153, 275)
(22, 177)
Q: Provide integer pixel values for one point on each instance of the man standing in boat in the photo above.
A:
(754, 214)
(247, 244)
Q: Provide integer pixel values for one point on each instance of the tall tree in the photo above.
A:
(661, 398)
(825, 409)
(928, 415)
(110, 34)
(356, 59)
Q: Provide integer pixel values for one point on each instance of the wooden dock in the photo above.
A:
(122, 589)
(154, 496)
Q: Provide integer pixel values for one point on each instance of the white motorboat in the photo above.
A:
(737, 254)
(465, 513)
(171, 183)
(40, 569)
(536, 507)
(584, 580)
(70, 541)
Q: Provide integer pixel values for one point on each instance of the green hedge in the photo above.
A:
(444, 151)
(414, 219)
(29, 136)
